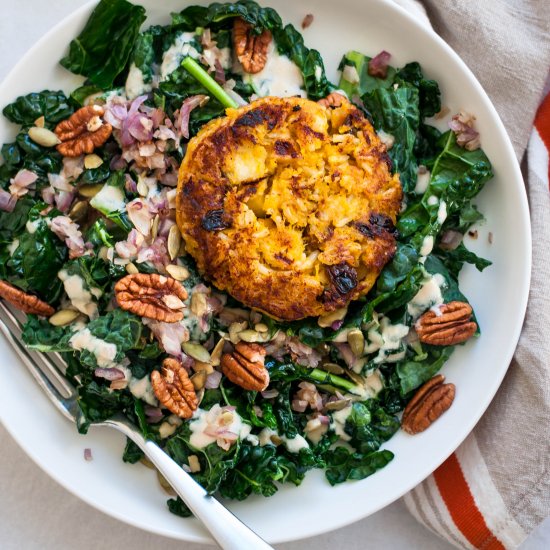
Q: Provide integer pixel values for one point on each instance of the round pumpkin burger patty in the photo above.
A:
(289, 206)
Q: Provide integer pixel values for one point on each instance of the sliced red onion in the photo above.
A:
(270, 394)
(182, 123)
(299, 405)
(219, 74)
(153, 414)
(109, 374)
(63, 200)
(72, 167)
(337, 324)
(346, 353)
(325, 420)
(68, 231)
(467, 136)
(213, 380)
(378, 65)
(88, 454)
(140, 215)
(7, 201)
(20, 183)
(170, 335)
(48, 194)
(450, 239)
(117, 163)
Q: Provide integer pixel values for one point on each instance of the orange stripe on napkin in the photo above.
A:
(542, 124)
(456, 494)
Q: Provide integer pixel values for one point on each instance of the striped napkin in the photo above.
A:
(495, 489)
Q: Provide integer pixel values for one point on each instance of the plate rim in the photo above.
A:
(389, 5)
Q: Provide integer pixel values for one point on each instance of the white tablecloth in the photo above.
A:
(37, 513)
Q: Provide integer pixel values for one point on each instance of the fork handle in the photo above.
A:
(226, 529)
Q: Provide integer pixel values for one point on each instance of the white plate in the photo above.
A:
(499, 296)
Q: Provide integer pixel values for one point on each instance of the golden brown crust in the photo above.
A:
(451, 325)
(174, 389)
(289, 206)
(23, 301)
(151, 295)
(83, 132)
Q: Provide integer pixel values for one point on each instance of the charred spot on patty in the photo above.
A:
(272, 202)
(378, 225)
(214, 221)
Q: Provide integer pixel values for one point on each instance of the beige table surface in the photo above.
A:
(37, 513)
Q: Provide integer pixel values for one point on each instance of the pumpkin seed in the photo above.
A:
(252, 336)
(40, 122)
(92, 161)
(357, 378)
(199, 379)
(63, 317)
(178, 272)
(198, 303)
(147, 463)
(182, 251)
(216, 354)
(194, 464)
(328, 319)
(206, 367)
(79, 211)
(356, 341)
(337, 405)
(165, 485)
(196, 351)
(155, 226)
(260, 327)
(333, 368)
(142, 188)
(43, 136)
(174, 242)
(90, 190)
(131, 269)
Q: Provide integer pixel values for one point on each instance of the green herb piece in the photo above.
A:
(189, 64)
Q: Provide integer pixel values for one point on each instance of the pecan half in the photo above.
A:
(245, 366)
(427, 405)
(451, 325)
(334, 99)
(151, 295)
(83, 131)
(174, 389)
(250, 48)
(23, 301)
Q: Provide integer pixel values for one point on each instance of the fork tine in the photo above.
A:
(51, 366)
(12, 332)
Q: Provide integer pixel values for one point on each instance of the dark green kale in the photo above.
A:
(101, 51)
(25, 110)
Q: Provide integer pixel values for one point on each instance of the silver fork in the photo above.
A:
(47, 369)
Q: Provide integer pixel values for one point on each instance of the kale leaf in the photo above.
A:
(101, 51)
(343, 464)
(53, 106)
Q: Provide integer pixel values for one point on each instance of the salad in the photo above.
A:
(85, 204)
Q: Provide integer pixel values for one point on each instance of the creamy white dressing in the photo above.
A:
(280, 77)
(427, 245)
(142, 389)
(80, 296)
(31, 227)
(109, 199)
(338, 421)
(392, 339)
(429, 295)
(293, 445)
(203, 420)
(422, 180)
(104, 352)
(442, 212)
(12, 247)
(135, 83)
(173, 56)
(432, 200)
